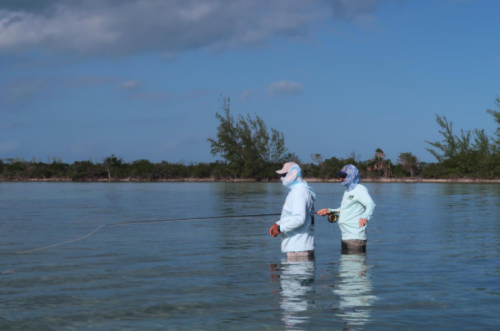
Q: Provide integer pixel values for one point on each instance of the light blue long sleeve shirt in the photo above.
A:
(356, 203)
(297, 232)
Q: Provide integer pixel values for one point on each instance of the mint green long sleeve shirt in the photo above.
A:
(356, 204)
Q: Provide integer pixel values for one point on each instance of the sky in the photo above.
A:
(144, 79)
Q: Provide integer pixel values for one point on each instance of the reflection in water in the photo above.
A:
(354, 289)
(297, 278)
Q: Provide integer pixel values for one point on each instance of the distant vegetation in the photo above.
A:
(250, 151)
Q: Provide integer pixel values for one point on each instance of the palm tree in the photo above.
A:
(380, 164)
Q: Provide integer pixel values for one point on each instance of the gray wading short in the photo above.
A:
(353, 246)
(300, 256)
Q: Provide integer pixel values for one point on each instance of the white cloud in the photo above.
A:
(19, 93)
(185, 142)
(245, 95)
(171, 144)
(152, 96)
(24, 89)
(284, 87)
(8, 126)
(116, 27)
(8, 146)
(83, 81)
(168, 57)
(129, 85)
(353, 9)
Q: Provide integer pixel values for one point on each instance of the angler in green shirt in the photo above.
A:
(354, 212)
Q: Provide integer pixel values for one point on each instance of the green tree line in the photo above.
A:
(110, 168)
(114, 168)
(249, 150)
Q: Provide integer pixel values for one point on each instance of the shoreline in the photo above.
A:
(213, 180)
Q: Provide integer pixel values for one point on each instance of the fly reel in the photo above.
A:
(332, 217)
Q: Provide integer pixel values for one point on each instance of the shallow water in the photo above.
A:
(432, 261)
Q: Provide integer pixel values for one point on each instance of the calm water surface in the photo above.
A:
(432, 262)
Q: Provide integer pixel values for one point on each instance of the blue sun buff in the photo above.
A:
(353, 178)
(293, 177)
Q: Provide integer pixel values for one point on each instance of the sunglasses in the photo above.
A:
(283, 175)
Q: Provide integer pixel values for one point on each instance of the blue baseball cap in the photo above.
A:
(343, 172)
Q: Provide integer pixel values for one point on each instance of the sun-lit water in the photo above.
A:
(432, 261)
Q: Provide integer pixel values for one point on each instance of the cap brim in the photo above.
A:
(281, 172)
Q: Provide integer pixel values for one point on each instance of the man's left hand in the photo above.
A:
(362, 222)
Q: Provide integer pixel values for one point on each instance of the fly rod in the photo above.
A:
(195, 219)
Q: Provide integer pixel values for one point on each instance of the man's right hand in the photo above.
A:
(323, 212)
(273, 231)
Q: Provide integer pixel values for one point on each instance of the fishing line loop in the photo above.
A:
(146, 222)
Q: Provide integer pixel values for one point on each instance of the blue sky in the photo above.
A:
(143, 79)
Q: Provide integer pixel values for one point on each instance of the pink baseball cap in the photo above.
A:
(286, 168)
